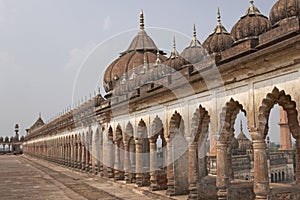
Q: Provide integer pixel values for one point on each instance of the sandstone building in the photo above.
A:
(151, 127)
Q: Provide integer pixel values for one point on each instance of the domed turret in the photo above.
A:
(194, 52)
(141, 46)
(283, 9)
(175, 60)
(219, 40)
(251, 25)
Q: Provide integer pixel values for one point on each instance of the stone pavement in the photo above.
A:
(29, 178)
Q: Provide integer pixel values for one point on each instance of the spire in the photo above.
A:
(174, 53)
(158, 61)
(241, 124)
(195, 42)
(40, 115)
(195, 33)
(219, 16)
(142, 25)
(145, 63)
(220, 28)
(252, 10)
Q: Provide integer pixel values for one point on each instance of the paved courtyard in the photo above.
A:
(28, 178)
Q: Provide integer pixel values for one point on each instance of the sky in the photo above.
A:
(43, 44)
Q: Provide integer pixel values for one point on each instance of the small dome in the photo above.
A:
(283, 9)
(251, 25)
(175, 60)
(142, 46)
(219, 40)
(194, 52)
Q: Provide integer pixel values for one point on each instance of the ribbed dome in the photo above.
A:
(142, 47)
(219, 40)
(123, 66)
(175, 60)
(251, 25)
(194, 52)
(283, 9)
(141, 42)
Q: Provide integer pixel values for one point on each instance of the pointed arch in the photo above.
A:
(199, 125)
(110, 133)
(157, 127)
(128, 131)
(142, 129)
(286, 102)
(227, 119)
(118, 135)
(176, 125)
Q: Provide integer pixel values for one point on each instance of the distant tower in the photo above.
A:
(285, 135)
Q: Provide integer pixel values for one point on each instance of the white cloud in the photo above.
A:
(6, 14)
(77, 56)
(8, 63)
(107, 23)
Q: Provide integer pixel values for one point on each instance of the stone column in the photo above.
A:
(229, 160)
(127, 164)
(117, 161)
(76, 156)
(110, 158)
(222, 171)
(170, 169)
(261, 177)
(72, 154)
(139, 162)
(83, 160)
(298, 161)
(87, 158)
(153, 164)
(67, 154)
(79, 156)
(193, 172)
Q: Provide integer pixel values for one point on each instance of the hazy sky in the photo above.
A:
(44, 42)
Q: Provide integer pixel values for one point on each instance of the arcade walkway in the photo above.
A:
(28, 178)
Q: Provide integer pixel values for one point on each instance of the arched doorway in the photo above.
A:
(158, 171)
(142, 155)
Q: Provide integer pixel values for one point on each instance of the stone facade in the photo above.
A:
(181, 105)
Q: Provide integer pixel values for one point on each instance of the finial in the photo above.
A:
(158, 61)
(175, 53)
(142, 25)
(98, 90)
(174, 44)
(219, 16)
(145, 63)
(195, 42)
(252, 9)
(241, 124)
(40, 115)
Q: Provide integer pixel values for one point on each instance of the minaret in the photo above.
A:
(285, 135)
